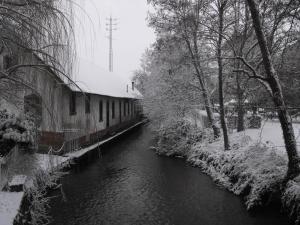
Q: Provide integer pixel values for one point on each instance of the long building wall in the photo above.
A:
(82, 122)
(51, 99)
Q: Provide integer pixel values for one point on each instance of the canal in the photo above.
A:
(131, 185)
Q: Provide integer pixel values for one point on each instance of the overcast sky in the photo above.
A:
(131, 39)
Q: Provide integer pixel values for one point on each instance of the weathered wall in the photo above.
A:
(49, 88)
(44, 85)
(83, 123)
(54, 96)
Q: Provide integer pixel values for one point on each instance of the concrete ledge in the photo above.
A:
(79, 153)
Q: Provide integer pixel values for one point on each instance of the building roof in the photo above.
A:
(95, 80)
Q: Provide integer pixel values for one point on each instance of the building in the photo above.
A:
(73, 115)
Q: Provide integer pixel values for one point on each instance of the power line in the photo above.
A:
(110, 27)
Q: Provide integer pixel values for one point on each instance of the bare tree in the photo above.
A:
(221, 7)
(40, 29)
(272, 83)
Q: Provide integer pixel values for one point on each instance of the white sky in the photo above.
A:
(131, 39)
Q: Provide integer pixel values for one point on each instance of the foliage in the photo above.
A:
(43, 28)
(15, 130)
(167, 82)
(176, 137)
(183, 21)
(291, 200)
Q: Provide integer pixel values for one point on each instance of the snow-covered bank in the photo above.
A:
(253, 168)
(250, 169)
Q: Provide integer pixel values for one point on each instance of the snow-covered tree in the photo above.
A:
(169, 87)
(182, 20)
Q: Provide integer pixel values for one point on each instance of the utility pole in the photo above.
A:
(110, 27)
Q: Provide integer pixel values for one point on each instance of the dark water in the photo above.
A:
(132, 185)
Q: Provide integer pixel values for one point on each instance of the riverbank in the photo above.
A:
(131, 185)
(253, 168)
(13, 205)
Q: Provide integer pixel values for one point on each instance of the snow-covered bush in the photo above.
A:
(250, 169)
(15, 130)
(291, 200)
(175, 137)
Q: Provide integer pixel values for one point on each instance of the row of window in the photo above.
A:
(126, 108)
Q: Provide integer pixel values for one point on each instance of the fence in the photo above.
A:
(93, 138)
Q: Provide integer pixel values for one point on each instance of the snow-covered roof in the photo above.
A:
(93, 79)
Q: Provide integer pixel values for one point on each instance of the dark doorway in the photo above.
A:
(107, 114)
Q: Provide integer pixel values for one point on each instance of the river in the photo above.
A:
(131, 185)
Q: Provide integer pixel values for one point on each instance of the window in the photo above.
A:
(8, 61)
(100, 111)
(132, 108)
(72, 103)
(113, 110)
(124, 104)
(128, 112)
(120, 111)
(87, 103)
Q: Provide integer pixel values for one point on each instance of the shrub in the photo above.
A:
(176, 137)
(252, 170)
(15, 130)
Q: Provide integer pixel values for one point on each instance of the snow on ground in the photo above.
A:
(271, 134)
(9, 205)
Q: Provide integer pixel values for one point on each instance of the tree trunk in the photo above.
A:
(208, 105)
(203, 86)
(240, 46)
(240, 106)
(220, 77)
(210, 115)
(240, 119)
(273, 81)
